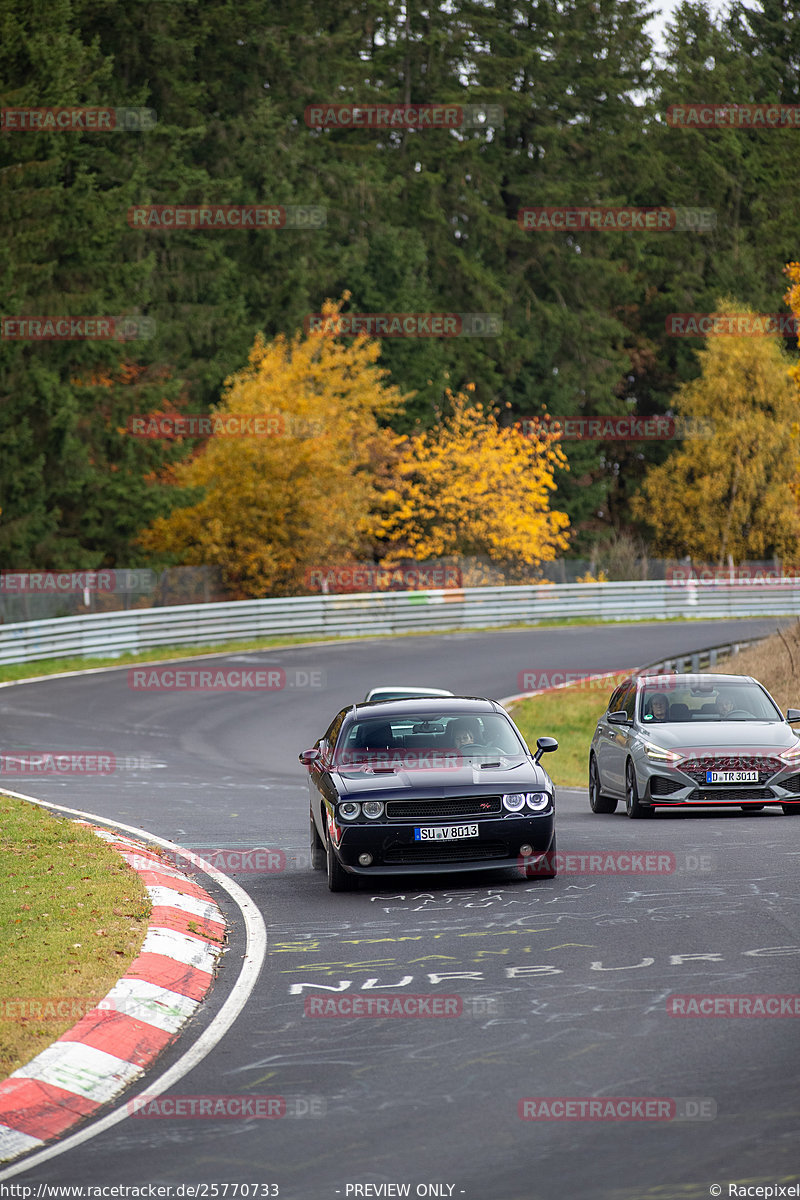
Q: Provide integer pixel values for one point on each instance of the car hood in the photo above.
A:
(512, 774)
(718, 735)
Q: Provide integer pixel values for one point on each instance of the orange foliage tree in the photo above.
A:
(286, 479)
(471, 488)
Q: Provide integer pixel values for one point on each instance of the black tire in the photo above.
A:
(339, 880)
(318, 853)
(533, 872)
(791, 810)
(597, 801)
(633, 806)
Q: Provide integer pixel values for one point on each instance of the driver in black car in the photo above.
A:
(464, 732)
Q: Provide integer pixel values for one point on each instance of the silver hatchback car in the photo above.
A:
(673, 741)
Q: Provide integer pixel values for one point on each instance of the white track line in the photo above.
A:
(255, 953)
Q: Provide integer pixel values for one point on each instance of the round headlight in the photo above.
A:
(514, 801)
(538, 801)
(349, 810)
(372, 808)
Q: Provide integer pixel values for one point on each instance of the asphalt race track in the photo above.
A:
(564, 983)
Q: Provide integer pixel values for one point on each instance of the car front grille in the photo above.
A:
(444, 852)
(730, 795)
(458, 806)
(792, 784)
(697, 767)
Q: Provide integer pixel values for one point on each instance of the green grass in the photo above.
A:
(73, 916)
(569, 714)
(53, 666)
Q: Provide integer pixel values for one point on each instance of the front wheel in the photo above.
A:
(339, 880)
(633, 807)
(318, 855)
(597, 801)
(791, 810)
(548, 868)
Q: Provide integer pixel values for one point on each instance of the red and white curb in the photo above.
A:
(113, 1044)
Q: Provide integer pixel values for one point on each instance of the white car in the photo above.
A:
(403, 693)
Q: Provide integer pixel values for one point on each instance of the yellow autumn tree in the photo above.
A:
(792, 298)
(284, 483)
(730, 491)
(469, 487)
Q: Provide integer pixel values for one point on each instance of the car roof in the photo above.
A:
(446, 705)
(420, 692)
(693, 680)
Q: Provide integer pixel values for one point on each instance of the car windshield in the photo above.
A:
(450, 733)
(670, 699)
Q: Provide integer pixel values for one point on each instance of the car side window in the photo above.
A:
(332, 732)
(627, 701)
(623, 699)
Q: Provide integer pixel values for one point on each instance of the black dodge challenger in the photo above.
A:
(436, 785)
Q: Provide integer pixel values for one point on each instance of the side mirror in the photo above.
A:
(619, 718)
(792, 714)
(546, 745)
(309, 756)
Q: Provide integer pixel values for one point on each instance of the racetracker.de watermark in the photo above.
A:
(624, 862)
(219, 679)
(617, 1108)
(734, 116)
(76, 329)
(237, 860)
(352, 577)
(58, 762)
(540, 679)
(603, 429)
(618, 429)
(699, 324)
(746, 574)
(76, 120)
(61, 583)
(405, 324)
(403, 116)
(46, 1008)
(600, 863)
(745, 1005)
(623, 219)
(167, 426)
(400, 760)
(226, 1108)
(403, 1006)
(159, 217)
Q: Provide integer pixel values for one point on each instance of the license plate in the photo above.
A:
(731, 776)
(445, 833)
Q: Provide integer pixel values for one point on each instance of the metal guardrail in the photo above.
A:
(697, 660)
(386, 613)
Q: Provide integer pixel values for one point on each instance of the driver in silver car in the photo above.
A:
(659, 707)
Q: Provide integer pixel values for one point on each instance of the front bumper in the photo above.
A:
(395, 851)
(672, 787)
